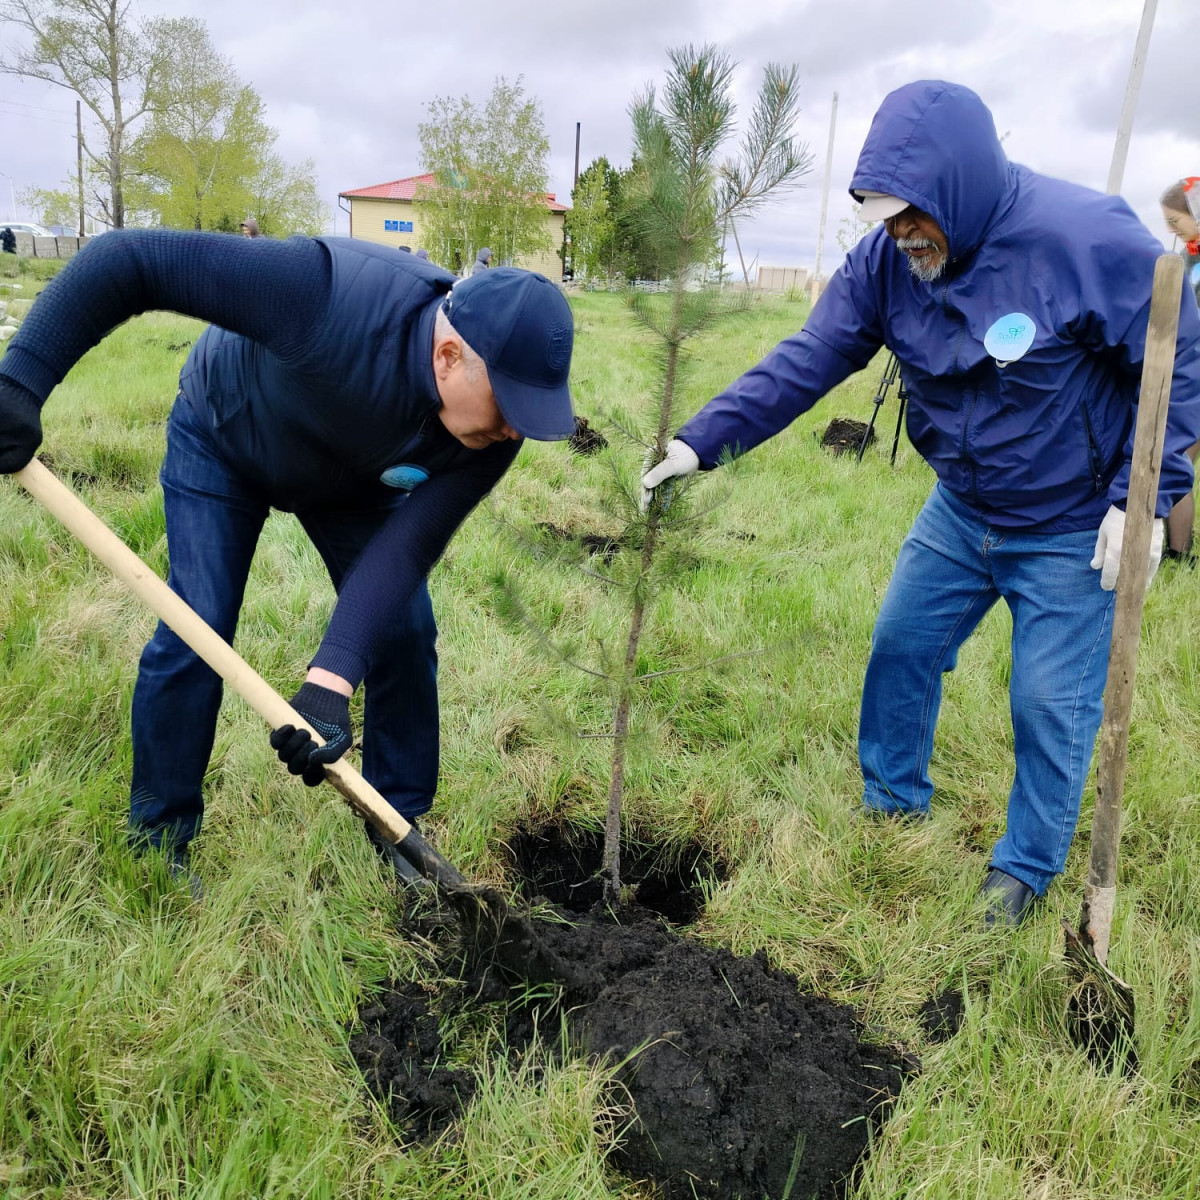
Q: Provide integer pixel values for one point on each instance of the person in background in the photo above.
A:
(1017, 307)
(483, 260)
(422, 253)
(250, 228)
(364, 390)
(1181, 211)
(8, 241)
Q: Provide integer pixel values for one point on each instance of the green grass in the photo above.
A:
(152, 1047)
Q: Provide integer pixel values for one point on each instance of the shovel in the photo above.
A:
(1101, 1006)
(494, 934)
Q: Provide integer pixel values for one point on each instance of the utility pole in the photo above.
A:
(815, 289)
(576, 183)
(1116, 171)
(79, 160)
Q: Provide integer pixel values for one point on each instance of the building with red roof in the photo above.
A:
(385, 213)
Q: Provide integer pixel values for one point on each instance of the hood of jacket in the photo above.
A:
(934, 144)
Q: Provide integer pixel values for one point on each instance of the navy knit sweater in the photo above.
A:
(315, 376)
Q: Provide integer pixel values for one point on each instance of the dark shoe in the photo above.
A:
(1009, 901)
(405, 871)
(1185, 558)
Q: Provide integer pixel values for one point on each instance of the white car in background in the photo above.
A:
(25, 227)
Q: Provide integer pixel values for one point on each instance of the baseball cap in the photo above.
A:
(878, 206)
(520, 324)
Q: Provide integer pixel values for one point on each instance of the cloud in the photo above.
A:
(347, 85)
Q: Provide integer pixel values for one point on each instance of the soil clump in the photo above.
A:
(586, 440)
(941, 1016)
(844, 435)
(399, 1051)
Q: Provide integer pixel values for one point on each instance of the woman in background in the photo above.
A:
(1181, 211)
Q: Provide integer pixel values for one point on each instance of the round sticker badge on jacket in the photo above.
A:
(404, 476)
(1009, 338)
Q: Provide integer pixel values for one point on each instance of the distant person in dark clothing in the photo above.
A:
(483, 260)
(8, 241)
(362, 389)
(250, 228)
(423, 254)
(1181, 211)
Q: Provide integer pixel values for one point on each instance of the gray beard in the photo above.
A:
(924, 269)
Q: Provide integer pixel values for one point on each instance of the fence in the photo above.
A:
(29, 246)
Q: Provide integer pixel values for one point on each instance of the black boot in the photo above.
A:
(1009, 901)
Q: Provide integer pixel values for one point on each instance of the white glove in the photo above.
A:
(680, 462)
(1107, 557)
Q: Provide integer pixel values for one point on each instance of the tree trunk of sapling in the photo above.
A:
(611, 867)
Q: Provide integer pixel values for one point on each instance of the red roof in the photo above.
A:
(406, 189)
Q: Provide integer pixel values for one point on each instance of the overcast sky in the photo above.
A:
(347, 85)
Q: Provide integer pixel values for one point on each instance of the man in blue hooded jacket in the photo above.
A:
(362, 389)
(1017, 306)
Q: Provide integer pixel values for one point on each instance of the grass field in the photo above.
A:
(152, 1047)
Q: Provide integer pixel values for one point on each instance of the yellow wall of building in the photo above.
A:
(368, 217)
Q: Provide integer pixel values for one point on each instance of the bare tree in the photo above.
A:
(108, 57)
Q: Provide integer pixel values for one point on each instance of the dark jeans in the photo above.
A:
(214, 516)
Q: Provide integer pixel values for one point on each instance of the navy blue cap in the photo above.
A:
(520, 324)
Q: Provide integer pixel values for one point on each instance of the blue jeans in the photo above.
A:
(214, 516)
(952, 568)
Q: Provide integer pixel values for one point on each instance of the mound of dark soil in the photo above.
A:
(399, 1052)
(844, 435)
(585, 439)
(742, 1085)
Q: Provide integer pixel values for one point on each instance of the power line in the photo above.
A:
(31, 117)
(22, 104)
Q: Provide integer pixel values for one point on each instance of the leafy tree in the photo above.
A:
(603, 231)
(203, 140)
(53, 206)
(490, 175)
(111, 59)
(204, 160)
(284, 197)
(591, 223)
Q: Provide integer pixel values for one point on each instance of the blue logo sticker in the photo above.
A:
(405, 476)
(1009, 338)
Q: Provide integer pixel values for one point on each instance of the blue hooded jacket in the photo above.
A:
(1022, 361)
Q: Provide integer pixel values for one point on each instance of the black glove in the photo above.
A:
(20, 425)
(328, 712)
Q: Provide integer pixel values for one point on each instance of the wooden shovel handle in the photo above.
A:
(192, 629)
(1157, 368)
